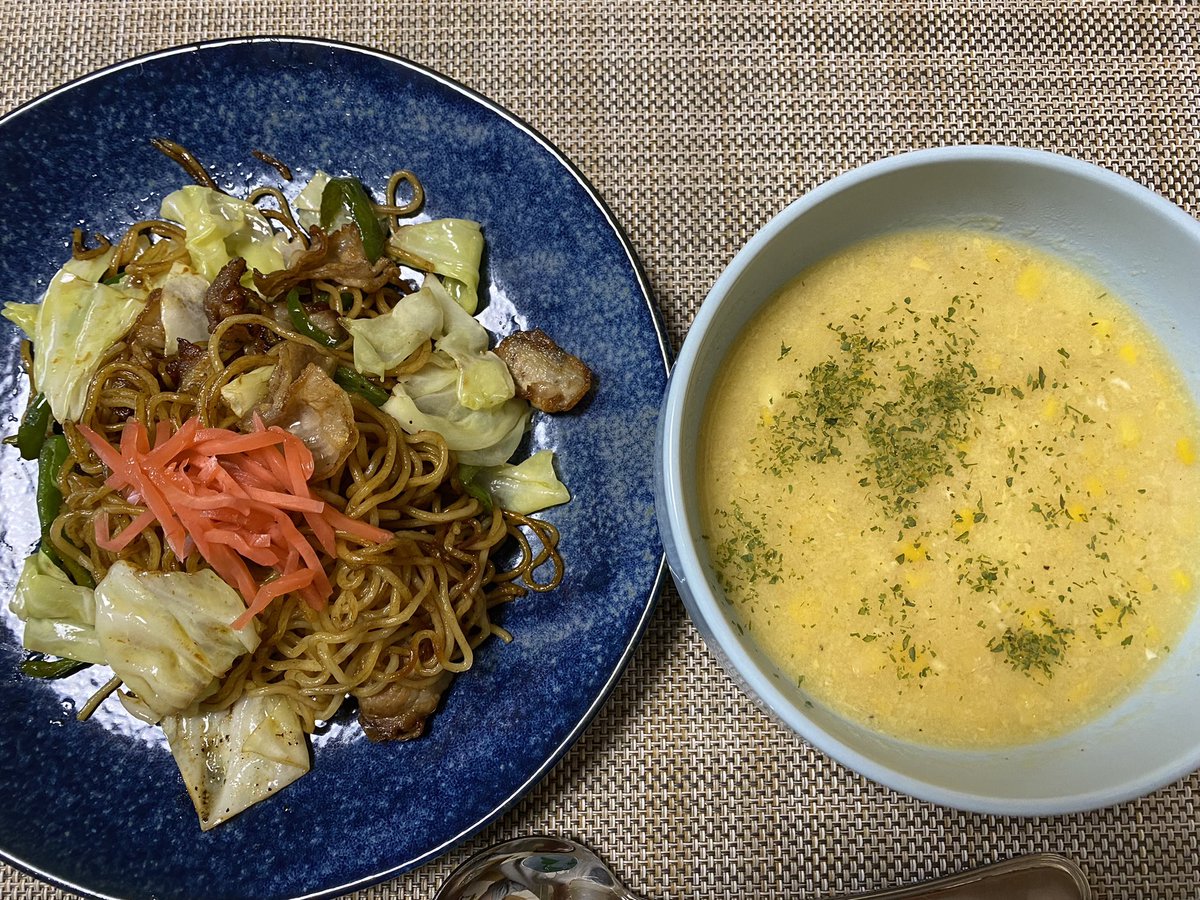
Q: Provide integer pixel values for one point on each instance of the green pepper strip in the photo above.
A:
(35, 425)
(348, 194)
(466, 474)
(349, 379)
(359, 384)
(78, 574)
(304, 325)
(39, 666)
(49, 499)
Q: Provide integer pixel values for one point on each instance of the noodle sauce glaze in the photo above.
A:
(950, 489)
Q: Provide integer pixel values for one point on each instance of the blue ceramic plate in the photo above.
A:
(99, 807)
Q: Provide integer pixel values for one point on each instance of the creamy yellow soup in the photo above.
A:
(951, 489)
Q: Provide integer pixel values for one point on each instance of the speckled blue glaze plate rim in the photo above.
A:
(101, 811)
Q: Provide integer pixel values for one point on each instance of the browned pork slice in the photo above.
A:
(546, 375)
(147, 333)
(338, 257)
(315, 409)
(226, 296)
(290, 360)
(398, 712)
(188, 367)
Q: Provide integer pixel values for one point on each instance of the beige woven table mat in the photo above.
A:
(697, 122)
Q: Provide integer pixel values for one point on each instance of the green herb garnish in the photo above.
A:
(1031, 651)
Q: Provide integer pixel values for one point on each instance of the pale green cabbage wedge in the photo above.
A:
(168, 635)
(77, 320)
(382, 343)
(219, 228)
(231, 759)
(452, 248)
(59, 616)
(528, 487)
(428, 401)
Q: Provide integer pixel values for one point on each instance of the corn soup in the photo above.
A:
(950, 489)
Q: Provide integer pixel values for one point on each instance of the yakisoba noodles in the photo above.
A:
(404, 611)
(299, 367)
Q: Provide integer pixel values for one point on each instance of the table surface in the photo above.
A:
(697, 122)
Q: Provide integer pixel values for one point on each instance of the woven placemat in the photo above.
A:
(697, 122)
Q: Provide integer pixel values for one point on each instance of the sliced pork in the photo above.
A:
(549, 377)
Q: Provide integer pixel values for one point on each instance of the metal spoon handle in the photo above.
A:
(1038, 876)
(547, 868)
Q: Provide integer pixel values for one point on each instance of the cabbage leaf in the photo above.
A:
(450, 247)
(233, 758)
(167, 634)
(77, 320)
(483, 378)
(244, 392)
(59, 616)
(382, 343)
(24, 316)
(308, 202)
(427, 400)
(528, 487)
(219, 228)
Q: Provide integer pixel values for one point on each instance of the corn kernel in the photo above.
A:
(1130, 434)
(1030, 282)
(1181, 581)
(1108, 619)
(1129, 353)
(1185, 451)
(768, 417)
(1094, 486)
(1051, 409)
(1077, 512)
(917, 263)
(1103, 328)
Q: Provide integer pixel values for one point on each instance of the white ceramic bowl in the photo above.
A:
(1141, 246)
